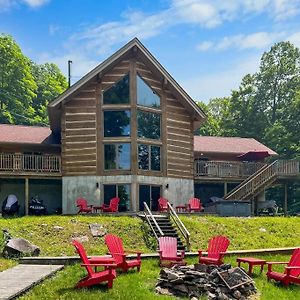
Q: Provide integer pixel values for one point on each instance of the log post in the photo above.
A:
(26, 195)
(285, 199)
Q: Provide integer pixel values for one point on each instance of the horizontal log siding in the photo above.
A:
(79, 153)
(179, 139)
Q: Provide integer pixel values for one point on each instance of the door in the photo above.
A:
(149, 194)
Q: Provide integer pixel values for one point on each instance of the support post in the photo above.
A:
(225, 188)
(26, 196)
(285, 199)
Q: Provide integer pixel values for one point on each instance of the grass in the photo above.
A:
(141, 285)
(6, 263)
(244, 233)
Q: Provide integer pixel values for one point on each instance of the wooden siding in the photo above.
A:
(180, 139)
(78, 138)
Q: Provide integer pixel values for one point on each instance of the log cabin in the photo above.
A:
(127, 127)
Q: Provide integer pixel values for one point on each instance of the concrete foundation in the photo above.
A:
(178, 191)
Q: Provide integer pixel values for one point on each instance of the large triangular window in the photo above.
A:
(145, 95)
(118, 93)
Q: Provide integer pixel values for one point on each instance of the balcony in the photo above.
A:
(30, 164)
(224, 169)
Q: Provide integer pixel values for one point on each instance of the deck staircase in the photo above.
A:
(167, 225)
(262, 179)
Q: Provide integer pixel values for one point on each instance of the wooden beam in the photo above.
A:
(285, 199)
(26, 195)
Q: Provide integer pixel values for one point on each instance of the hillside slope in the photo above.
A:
(244, 233)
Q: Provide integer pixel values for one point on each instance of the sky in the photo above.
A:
(207, 46)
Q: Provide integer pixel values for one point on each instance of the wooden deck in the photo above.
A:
(17, 280)
(30, 165)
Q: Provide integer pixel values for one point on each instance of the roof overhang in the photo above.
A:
(136, 47)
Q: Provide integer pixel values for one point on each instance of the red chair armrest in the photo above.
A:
(100, 264)
(271, 263)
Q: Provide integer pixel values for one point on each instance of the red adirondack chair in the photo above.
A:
(292, 270)
(93, 278)
(116, 250)
(168, 251)
(195, 205)
(81, 203)
(217, 247)
(163, 204)
(113, 205)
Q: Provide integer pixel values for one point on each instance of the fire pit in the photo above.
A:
(217, 283)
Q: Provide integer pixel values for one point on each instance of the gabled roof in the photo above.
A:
(188, 102)
(228, 145)
(20, 134)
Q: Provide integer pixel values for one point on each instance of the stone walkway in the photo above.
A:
(19, 279)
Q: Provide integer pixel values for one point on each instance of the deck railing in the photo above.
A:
(225, 169)
(29, 163)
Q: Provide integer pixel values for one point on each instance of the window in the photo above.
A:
(116, 123)
(145, 95)
(118, 93)
(148, 125)
(117, 156)
(149, 157)
(118, 190)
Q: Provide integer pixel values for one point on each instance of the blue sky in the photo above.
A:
(207, 46)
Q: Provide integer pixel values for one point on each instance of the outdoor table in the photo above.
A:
(251, 261)
(180, 208)
(96, 208)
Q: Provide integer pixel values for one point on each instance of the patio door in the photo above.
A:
(149, 194)
(118, 190)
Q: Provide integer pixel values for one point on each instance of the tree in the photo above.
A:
(216, 111)
(278, 79)
(17, 85)
(50, 83)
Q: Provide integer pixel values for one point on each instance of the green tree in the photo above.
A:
(50, 83)
(278, 79)
(17, 85)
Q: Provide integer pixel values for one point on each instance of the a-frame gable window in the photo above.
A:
(118, 93)
(145, 95)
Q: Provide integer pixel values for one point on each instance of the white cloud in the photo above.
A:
(220, 83)
(9, 4)
(53, 29)
(257, 40)
(35, 3)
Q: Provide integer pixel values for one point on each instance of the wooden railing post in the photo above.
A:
(26, 196)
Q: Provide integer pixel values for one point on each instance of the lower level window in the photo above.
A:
(118, 190)
(149, 157)
(117, 156)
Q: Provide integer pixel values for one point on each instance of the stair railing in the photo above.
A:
(254, 182)
(179, 225)
(148, 215)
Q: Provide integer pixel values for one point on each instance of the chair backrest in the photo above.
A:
(295, 262)
(194, 203)
(162, 203)
(81, 203)
(168, 246)
(114, 204)
(115, 247)
(80, 250)
(216, 245)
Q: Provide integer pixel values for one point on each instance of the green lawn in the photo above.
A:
(244, 233)
(135, 285)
